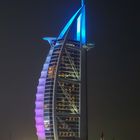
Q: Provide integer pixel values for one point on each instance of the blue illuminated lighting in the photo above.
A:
(49, 39)
(61, 35)
(79, 28)
(82, 2)
(83, 28)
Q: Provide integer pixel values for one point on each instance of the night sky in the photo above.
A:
(113, 66)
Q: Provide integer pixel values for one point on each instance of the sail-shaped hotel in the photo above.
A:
(60, 107)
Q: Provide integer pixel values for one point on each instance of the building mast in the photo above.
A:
(84, 42)
(86, 47)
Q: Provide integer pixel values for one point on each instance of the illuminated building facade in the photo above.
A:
(59, 113)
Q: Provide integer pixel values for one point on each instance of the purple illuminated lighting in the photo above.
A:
(42, 81)
(39, 104)
(40, 89)
(41, 135)
(40, 128)
(39, 97)
(39, 111)
(43, 74)
(39, 120)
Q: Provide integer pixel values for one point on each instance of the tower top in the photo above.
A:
(82, 2)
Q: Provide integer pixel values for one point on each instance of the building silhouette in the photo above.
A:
(61, 98)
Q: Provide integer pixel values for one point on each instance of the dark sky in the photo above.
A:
(113, 66)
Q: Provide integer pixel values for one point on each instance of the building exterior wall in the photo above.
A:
(60, 100)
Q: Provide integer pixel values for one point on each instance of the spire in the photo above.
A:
(82, 2)
(81, 25)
